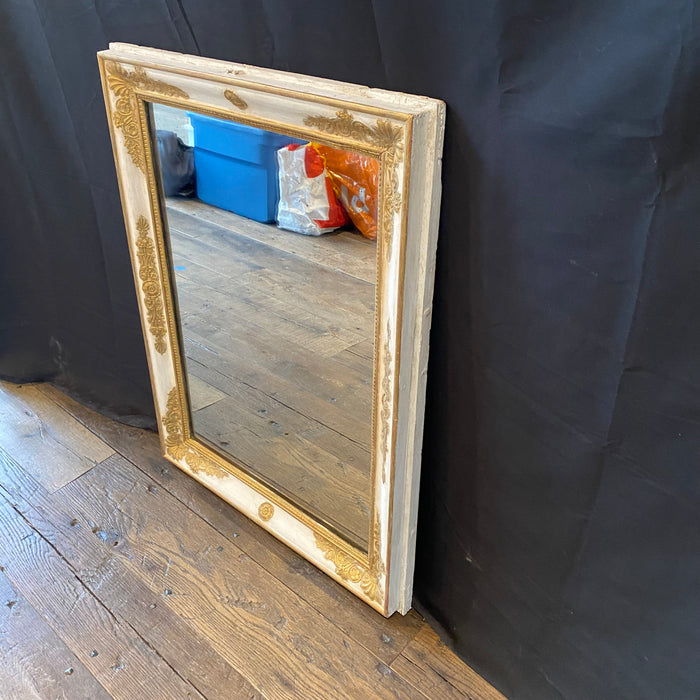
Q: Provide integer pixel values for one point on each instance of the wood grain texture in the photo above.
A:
(280, 315)
(384, 637)
(143, 564)
(255, 622)
(202, 394)
(438, 672)
(95, 553)
(217, 351)
(124, 664)
(252, 621)
(49, 443)
(276, 390)
(345, 251)
(335, 492)
(35, 663)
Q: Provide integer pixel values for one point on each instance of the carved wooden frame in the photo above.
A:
(405, 134)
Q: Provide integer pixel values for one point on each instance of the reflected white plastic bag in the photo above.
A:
(307, 203)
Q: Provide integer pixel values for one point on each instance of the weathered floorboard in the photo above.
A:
(96, 555)
(50, 444)
(180, 594)
(124, 664)
(344, 251)
(385, 638)
(253, 621)
(36, 664)
(267, 318)
(437, 672)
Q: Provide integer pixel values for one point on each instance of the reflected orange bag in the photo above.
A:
(355, 180)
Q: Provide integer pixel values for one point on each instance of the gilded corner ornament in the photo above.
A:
(175, 443)
(385, 135)
(150, 284)
(123, 84)
(349, 569)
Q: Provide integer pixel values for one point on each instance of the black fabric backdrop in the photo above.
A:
(559, 533)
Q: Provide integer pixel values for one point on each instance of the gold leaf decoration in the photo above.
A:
(385, 135)
(385, 410)
(175, 441)
(391, 196)
(124, 84)
(138, 78)
(150, 284)
(266, 511)
(348, 568)
(235, 99)
(375, 546)
(126, 114)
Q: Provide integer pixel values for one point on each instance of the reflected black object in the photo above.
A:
(176, 165)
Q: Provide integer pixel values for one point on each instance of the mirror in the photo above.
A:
(276, 310)
(282, 231)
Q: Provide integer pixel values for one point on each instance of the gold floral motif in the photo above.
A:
(138, 78)
(385, 135)
(175, 442)
(150, 284)
(266, 511)
(235, 99)
(375, 544)
(123, 84)
(348, 568)
(391, 196)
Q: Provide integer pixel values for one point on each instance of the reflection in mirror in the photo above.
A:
(274, 261)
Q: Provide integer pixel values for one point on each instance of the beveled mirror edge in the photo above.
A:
(396, 508)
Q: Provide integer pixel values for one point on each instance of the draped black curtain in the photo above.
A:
(559, 532)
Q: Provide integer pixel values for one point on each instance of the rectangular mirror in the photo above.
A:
(277, 325)
(283, 231)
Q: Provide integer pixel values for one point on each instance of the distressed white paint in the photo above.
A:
(288, 99)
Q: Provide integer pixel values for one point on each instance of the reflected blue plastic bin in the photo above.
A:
(236, 166)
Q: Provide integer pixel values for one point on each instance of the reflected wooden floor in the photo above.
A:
(279, 334)
(121, 577)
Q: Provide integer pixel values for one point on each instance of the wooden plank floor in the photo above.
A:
(278, 333)
(122, 577)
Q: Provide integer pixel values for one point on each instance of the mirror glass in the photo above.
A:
(274, 262)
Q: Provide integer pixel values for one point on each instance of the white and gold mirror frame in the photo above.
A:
(404, 133)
